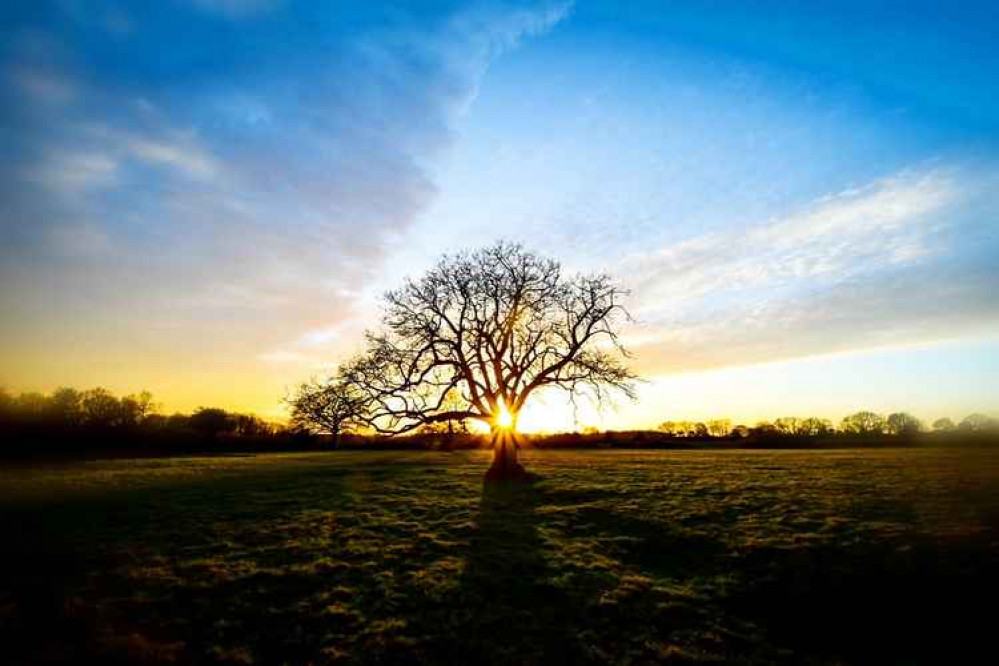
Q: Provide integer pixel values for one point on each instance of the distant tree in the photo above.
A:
(765, 429)
(719, 427)
(134, 409)
(66, 407)
(328, 407)
(679, 428)
(864, 423)
(978, 423)
(212, 422)
(699, 430)
(814, 427)
(31, 406)
(250, 425)
(100, 408)
(740, 431)
(178, 422)
(944, 425)
(788, 426)
(448, 428)
(7, 403)
(902, 423)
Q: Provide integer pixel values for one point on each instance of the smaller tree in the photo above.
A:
(65, 407)
(765, 429)
(944, 425)
(328, 407)
(100, 408)
(788, 426)
(814, 427)
(134, 409)
(212, 422)
(864, 423)
(719, 427)
(250, 425)
(978, 423)
(740, 431)
(903, 424)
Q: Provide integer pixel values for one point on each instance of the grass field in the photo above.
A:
(607, 557)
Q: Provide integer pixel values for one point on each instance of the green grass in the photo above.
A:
(607, 557)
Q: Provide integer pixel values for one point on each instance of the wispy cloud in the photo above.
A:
(865, 267)
(839, 236)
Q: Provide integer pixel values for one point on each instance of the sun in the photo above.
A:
(503, 418)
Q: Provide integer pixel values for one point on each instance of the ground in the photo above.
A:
(605, 557)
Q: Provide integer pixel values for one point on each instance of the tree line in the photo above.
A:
(97, 422)
(69, 420)
(862, 423)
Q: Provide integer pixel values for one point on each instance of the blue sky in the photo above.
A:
(205, 197)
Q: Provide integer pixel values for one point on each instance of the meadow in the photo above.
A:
(623, 557)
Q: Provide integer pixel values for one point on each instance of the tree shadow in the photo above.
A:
(507, 609)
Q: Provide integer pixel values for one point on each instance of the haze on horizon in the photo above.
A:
(205, 198)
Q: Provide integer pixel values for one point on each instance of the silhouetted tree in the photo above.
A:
(100, 409)
(765, 429)
(249, 425)
(944, 425)
(788, 425)
(328, 407)
(134, 409)
(903, 424)
(719, 427)
(66, 407)
(212, 422)
(864, 423)
(978, 423)
(31, 406)
(489, 329)
(814, 427)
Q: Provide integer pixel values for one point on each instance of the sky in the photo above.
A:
(206, 198)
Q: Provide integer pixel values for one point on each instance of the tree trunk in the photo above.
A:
(505, 465)
(447, 442)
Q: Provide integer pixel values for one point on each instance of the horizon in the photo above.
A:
(805, 215)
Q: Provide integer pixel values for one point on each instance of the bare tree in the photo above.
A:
(864, 423)
(944, 425)
(719, 427)
(903, 424)
(328, 407)
(482, 332)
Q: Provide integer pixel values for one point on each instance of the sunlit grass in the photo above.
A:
(617, 557)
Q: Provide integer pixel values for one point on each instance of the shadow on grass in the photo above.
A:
(506, 609)
(395, 564)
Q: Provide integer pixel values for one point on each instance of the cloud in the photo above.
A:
(851, 232)
(245, 195)
(179, 152)
(896, 261)
(73, 171)
(44, 86)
